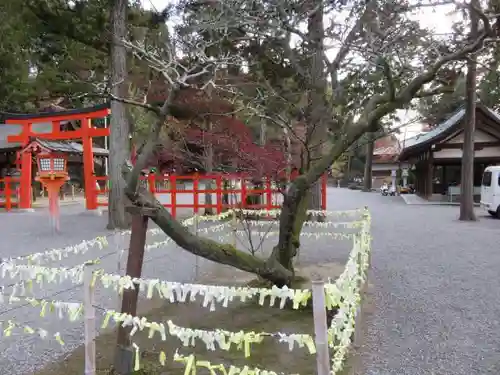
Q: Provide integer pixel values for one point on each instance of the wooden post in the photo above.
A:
(25, 185)
(243, 192)
(89, 312)
(429, 175)
(152, 183)
(218, 196)
(269, 194)
(124, 356)
(173, 195)
(195, 230)
(320, 328)
(234, 223)
(88, 165)
(7, 193)
(324, 184)
(196, 201)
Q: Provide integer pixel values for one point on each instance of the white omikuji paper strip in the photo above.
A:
(191, 365)
(212, 339)
(211, 295)
(344, 293)
(349, 285)
(315, 235)
(61, 253)
(101, 241)
(7, 328)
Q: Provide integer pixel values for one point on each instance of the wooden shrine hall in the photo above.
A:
(436, 155)
(70, 132)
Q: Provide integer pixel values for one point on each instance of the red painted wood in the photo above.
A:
(324, 180)
(243, 192)
(173, 195)
(219, 191)
(196, 191)
(152, 183)
(88, 165)
(7, 192)
(269, 194)
(85, 133)
(218, 196)
(26, 171)
(101, 113)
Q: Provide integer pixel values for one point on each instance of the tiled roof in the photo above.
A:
(52, 111)
(421, 138)
(69, 147)
(446, 126)
(387, 150)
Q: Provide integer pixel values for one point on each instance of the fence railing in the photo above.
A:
(342, 296)
(9, 192)
(210, 191)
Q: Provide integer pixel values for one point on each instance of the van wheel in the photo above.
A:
(498, 213)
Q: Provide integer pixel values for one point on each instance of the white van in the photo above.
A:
(490, 191)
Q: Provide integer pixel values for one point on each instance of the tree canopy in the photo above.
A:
(319, 75)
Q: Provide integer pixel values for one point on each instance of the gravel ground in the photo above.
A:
(434, 286)
(436, 290)
(26, 233)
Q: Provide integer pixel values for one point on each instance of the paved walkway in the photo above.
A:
(415, 199)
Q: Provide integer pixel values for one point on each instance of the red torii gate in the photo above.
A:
(85, 133)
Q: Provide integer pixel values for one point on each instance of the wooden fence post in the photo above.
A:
(195, 230)
(234, 225)
(218, 195)
(173, 195)
(320, 328)
(152, 183)
(196, 198)
(269, 194)
(324, 185)
(7, 193)
(89, 314)
(243, 192)
(124, 356)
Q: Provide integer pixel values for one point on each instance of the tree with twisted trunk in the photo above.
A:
(376, 58)
(394, 94)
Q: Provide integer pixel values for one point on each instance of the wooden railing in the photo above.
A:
(225, 190)
(9, 192)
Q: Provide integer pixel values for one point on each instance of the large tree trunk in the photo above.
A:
(209, 167)
(467, 178)
(119, 148)
(285, 252)
(317, 106)
(367, 181)
(277, 268)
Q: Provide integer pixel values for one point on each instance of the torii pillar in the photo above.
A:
(85, 133)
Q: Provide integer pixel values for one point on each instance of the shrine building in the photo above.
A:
(71, 132)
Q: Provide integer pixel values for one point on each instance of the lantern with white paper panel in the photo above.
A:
(53, 174)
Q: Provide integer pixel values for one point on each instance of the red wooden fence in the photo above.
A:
(9, 192)
(166, 188)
